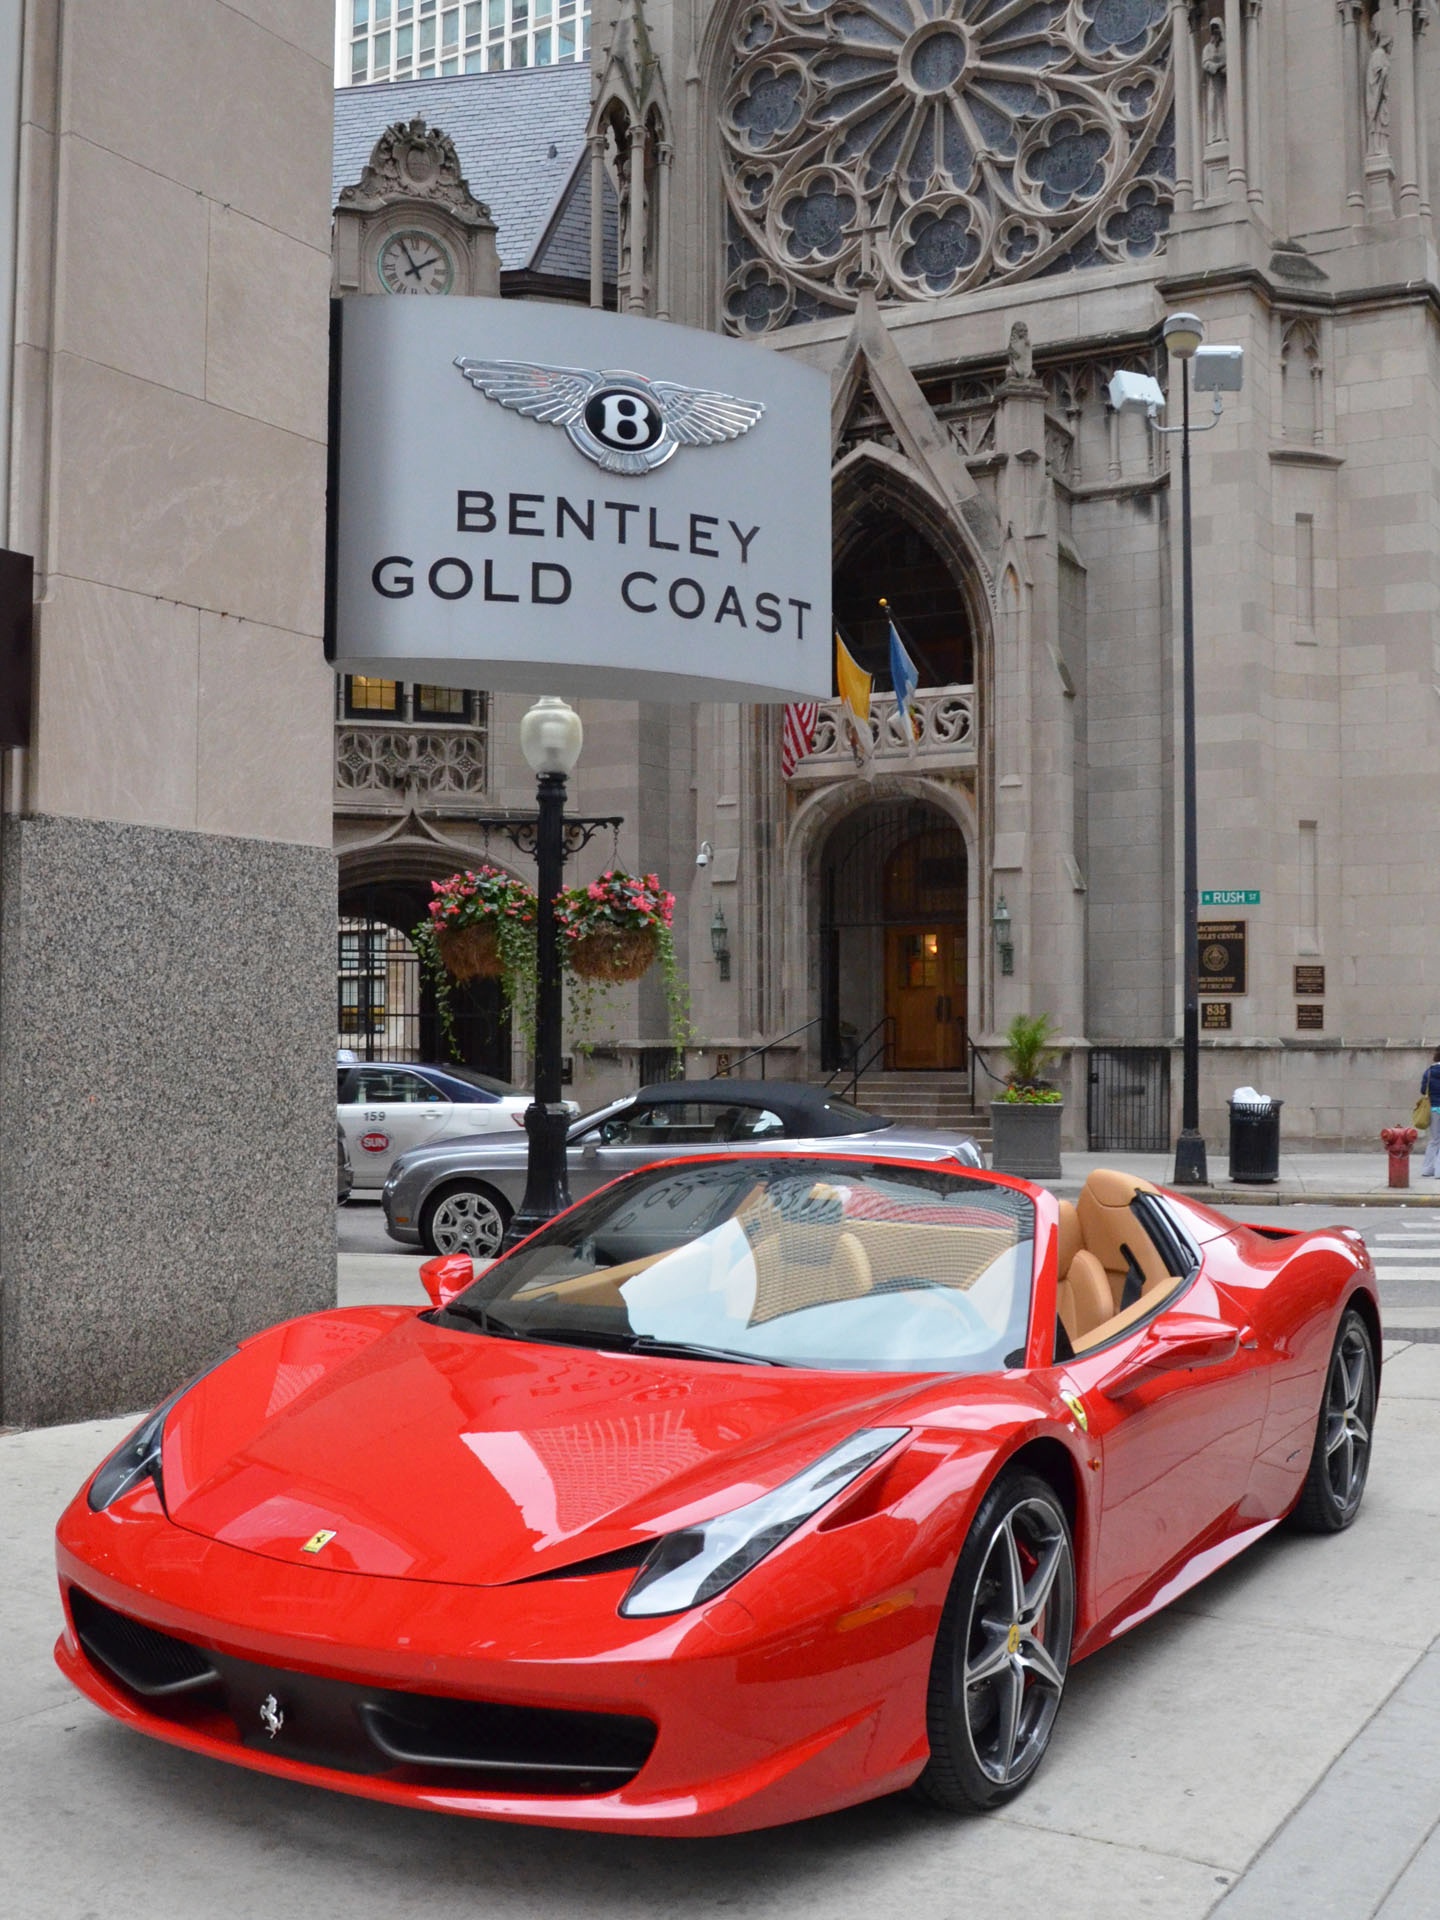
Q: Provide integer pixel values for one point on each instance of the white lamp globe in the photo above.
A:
(551, 735)
(1183, 333)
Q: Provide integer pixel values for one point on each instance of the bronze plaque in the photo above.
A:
(1222, 956)
(1310, 1019)
(1310, 981)
(1215, 1016)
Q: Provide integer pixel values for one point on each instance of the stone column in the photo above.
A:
(1405, 106)
(1422, 117)
(1254, 93)
(1183, 50)
(1352, 123)
(665, 155)
(596, 144)
(635, 285)
(1235, 92)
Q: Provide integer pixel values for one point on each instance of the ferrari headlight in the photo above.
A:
(131, 1461)
(688, 1568)
(138, 1457)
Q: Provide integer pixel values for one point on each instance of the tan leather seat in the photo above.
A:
(1110, 1231)
(1071, 1238)
(1084, 1300)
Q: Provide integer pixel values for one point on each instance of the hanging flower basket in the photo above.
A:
(612, 954)
(470, 953)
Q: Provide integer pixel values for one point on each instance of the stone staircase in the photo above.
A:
(926, 1100)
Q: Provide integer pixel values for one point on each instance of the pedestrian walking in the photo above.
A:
(1430, 1096)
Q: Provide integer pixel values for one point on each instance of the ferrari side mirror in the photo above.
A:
(1174, 1343)
(446, 1275)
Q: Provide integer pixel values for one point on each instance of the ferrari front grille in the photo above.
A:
(152, 1664)
(354, 1728)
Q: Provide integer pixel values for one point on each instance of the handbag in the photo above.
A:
(1420, 1118)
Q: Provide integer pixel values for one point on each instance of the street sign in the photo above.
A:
(1230, 897)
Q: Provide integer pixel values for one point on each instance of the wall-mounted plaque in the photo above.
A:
(1310, 1019)
(1215, 1016)
(1222, 956)
(1310, 981)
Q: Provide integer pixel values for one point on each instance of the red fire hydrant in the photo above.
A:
(1398, 1142)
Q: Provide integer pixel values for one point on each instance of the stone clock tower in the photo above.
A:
(412, 225)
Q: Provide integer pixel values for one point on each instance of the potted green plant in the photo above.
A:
(1026, 1118)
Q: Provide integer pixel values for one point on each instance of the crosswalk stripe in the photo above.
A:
(1386, 1272)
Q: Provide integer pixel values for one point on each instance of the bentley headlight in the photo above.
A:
(688, 1568)
(138, 1458)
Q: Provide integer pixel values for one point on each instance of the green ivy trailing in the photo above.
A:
(618, 903)
(484, 897)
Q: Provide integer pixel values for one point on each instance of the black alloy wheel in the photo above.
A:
(1003, 1649)
(1340, 1458)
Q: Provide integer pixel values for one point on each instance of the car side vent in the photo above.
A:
(142, 1658)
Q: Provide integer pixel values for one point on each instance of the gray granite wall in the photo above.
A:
(167, 1128)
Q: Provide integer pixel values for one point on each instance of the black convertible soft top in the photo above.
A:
(808, 1112)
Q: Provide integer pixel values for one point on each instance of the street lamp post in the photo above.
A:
(1217, 370)
(551, 736)
(1183, 334)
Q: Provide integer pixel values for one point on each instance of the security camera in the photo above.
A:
(705, 855)
(1131, 392)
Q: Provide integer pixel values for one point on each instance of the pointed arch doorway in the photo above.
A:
(894, 885)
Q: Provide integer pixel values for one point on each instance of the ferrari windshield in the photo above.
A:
(813, 1263)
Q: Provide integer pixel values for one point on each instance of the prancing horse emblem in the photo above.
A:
(622, 421)
(272, 1715)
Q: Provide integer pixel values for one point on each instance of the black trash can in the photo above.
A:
(1255, 1141)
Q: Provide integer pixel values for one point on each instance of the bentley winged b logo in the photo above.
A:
(622, 421)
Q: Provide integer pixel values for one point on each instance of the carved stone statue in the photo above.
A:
(1021, 354)
(1377, 90)
(416, 162)
(1213, 84)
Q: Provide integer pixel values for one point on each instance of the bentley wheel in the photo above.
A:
(1340, 1459)
(1003, 1649)
(465, 1219)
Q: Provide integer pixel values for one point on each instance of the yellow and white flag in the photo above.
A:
(855, 687)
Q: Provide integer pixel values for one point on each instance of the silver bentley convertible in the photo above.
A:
(457, 1196)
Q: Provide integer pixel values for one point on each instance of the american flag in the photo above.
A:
(800, 719)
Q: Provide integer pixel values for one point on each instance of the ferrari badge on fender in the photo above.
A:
(319, 1540)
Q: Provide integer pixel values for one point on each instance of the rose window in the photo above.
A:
(929, 146)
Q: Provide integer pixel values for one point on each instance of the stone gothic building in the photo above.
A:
(971, 215)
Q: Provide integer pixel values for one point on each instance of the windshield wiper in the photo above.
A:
(486, 1322)
(643, 1343)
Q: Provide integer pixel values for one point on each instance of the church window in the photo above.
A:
(929, 146)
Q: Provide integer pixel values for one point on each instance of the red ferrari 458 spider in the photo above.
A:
(747, 1489)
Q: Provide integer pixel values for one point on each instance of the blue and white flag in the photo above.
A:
(905, 678)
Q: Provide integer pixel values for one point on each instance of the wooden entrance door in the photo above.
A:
(925, 997)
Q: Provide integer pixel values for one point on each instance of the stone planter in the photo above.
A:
(1026, 1139)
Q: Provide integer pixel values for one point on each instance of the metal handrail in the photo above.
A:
(759, 1053)
(977, 1054)
(860, 1060)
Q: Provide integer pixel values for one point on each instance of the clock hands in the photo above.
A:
(417, 267)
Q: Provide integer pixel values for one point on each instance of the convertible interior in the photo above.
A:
(1112, 1273)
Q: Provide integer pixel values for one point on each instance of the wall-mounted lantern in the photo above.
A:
(1004, 945)
(720, 941)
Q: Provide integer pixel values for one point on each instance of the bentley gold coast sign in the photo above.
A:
(530, 497)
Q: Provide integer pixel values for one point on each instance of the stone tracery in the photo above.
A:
(926, 146)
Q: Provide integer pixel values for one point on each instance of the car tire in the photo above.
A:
(465, 1217)
(1340, 1458)
(1002, 1652)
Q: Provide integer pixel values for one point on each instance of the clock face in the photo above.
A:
(413, 261)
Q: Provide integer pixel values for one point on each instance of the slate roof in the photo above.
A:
(504, 126)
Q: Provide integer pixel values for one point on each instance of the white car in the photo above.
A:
(385, 1107)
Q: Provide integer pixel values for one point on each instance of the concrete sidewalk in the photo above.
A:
(1268, 1749)
(1324, 1178)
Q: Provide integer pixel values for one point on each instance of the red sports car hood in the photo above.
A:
(440, 1455)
